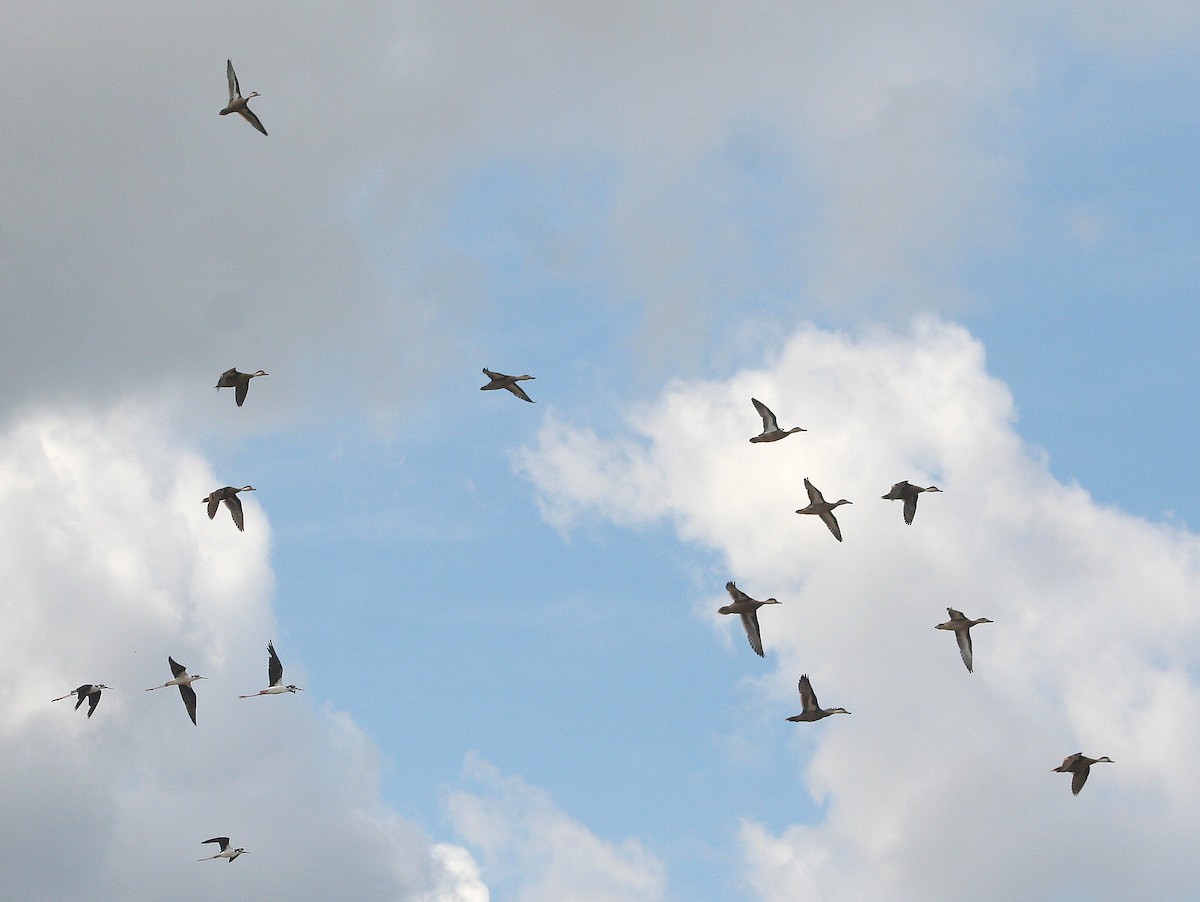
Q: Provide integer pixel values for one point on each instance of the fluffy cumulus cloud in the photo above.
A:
(938, 785)
(541, 853)
(110, 565)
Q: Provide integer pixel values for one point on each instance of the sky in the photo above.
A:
(956, 243)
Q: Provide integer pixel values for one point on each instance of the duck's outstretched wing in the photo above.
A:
(248, 115)
(750, 622)
(770, 424)
(235, 509)
(234, 91)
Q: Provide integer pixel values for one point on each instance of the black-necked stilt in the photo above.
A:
(90, 691)
(274, 676)
(226, 852)
(184, 681)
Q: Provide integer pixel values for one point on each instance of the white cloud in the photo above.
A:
(530, 845)
(111, 565)
(938, 785)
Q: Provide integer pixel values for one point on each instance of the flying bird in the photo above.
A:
(748, 607)
(226, 852)
(90, 691)
(808, 700)
(229, 495)
(908, 493)
(237, 103)
(771, 431)
(184, 681)
(962, 632)
(239, 381)
(274, 676)
(1079, 767)
(822, 508)
(499, 380)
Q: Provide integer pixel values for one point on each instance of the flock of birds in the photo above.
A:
(1078, 765)
(746, 607)
(227, 495)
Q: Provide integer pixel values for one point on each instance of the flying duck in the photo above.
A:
(240, 382)
(907, 492)
(962, 632)
(237, 103)
(748, 607)
(771, 431)
(499, 380)
(1079, 767)
(229, 495)
(808, 700)
(822, 508)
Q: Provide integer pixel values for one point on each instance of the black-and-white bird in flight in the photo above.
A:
(89, 691)
(226, 852)
(184, 681)
(274, 676)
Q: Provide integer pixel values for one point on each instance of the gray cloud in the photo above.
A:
(145, 242)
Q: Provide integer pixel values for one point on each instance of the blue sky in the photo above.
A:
(956, 245)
